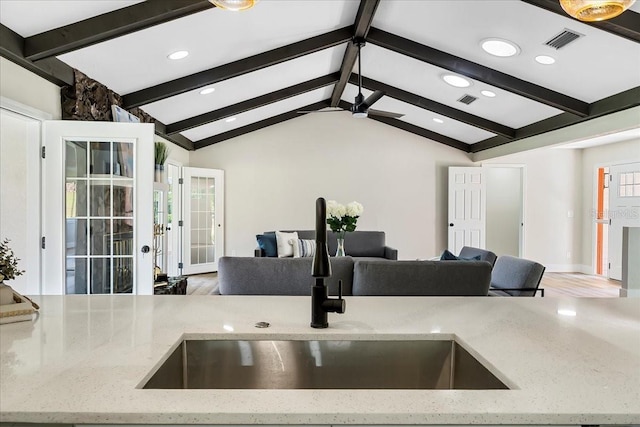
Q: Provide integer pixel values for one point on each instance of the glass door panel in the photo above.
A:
(99, 208)
(204, 213)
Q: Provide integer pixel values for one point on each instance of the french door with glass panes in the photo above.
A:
(98, 208)
(203, 219)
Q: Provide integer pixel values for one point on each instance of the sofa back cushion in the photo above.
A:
(427, 278)
(356, 244)
(471, 252)
(279, 276)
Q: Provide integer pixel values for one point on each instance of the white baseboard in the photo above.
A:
(569, 268)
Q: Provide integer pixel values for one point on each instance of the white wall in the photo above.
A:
(504, 202)
(23, 86)
(553, 206)
(273, 177)
(593, 158)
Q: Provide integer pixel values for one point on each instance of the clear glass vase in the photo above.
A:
(340, 250)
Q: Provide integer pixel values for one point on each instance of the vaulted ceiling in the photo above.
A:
(283, 56)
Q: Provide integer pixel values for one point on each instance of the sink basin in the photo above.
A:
(322, 364)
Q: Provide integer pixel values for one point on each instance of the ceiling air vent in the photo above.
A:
(563, 39)
(467, 99)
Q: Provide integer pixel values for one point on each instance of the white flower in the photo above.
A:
(354, 209)
(335, 209)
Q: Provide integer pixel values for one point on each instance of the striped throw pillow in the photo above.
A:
(303, 248)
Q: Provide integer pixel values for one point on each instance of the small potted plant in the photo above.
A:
(8, 271)
(162, 152)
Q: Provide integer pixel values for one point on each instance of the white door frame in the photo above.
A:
(34, 216)
(54, 224)
(218, 226)
(619, 219)
(523, 188)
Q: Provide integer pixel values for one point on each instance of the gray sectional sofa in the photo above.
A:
(292, 276)
(358, 244)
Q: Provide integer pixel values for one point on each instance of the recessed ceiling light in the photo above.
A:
(178, 55)
(230, 119)
(207, 91)
(545, 60)
(488, 93)
(500, 47)
(456, 81)
(437, 120)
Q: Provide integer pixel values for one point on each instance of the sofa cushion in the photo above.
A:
(430, 278)
(364, 244)
(471, 252)
(285, 245)
(279, 276)
(304, 248)
(448, 256)
(267, 242)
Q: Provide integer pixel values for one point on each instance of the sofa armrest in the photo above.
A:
(390, 253)
(258, 253)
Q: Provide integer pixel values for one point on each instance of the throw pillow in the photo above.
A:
(448, 256)
(304, 248)
(285, 248)
(267, 242)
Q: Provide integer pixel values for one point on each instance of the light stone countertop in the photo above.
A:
(85, 357)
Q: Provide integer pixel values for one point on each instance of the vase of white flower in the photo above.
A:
(343, 219)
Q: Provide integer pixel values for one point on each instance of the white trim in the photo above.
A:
(567, 268)
(24, 110)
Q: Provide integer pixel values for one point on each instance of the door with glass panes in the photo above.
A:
(203, 219)
(98, 221)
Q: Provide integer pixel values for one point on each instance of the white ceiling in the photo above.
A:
(590, 69)
(248, 86)
(213, 37)
(29, 17)
(583, 69)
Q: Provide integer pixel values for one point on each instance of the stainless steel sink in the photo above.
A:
(332, 364)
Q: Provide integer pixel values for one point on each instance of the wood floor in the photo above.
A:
(554, 284)
(578, 285)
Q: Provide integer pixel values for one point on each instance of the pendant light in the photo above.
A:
(234, 5)
(595, 10)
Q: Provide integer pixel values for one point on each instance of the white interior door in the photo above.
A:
(467, 207)
(20, 195)
(624, 211)
(203, 219)
(99, 207)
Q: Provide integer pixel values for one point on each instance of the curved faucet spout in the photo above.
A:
(321, 263)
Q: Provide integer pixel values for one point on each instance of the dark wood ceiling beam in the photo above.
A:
(436, 107)
(51, 69)
(260, 125)
(477, 72)
(237, 68)
(180, 140)
(416, 130)
(250, 104)
(626, 25)
(364, 18)
(60, 74)
(109, 26)
(619, 102)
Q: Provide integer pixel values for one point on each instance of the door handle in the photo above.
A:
(145, 249)
(450, 224)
